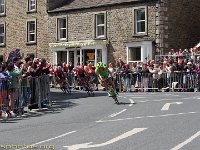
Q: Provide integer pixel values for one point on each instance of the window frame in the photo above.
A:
(58, 28)
(129, 48)
(100, 25)
(4, 13)
(4, 34)
(27, 32)
(29, 6)
(135, 22)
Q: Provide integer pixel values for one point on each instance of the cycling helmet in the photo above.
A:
(100, 65)
(126, 65)
(59, 67)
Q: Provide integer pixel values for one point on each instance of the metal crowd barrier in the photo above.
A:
(148, 82)
(176, 81)
(31, 92)
(4, 103)
(40, 92)
(70, 78)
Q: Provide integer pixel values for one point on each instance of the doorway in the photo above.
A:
(61, 57)
(71, 57)
(89, 57)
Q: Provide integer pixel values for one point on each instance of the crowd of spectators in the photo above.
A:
(21, 68)
(187, 60)
(161, 72)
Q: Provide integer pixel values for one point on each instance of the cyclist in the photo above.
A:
(60, 76)
(104, 77)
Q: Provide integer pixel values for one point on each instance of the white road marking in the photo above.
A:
(60, 136)
(171, 95)
(139, 97)
(167, 105)
(102, 121)
(144, 101)
(132, 102)
(175, 95)
(143, 117)
(124, 97)
(152, 93)
(186, 98)
(116, 139)
(187, 141)
(167, 94)
(116, 114)
(155, 100)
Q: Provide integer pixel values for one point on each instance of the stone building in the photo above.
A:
(23, 24)
(134, 30)
(180, 23)
(90, 31)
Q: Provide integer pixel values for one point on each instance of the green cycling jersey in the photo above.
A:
(104, 73)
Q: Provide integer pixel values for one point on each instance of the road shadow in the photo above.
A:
(124, 103)
(11, 120)
(60, 102)
(75, 94)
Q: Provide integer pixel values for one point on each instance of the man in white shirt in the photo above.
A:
(16, 62)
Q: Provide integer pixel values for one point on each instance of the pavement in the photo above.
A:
(142, 121)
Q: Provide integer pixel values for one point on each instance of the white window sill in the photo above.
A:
(32, 11)
(2, 44)
(62, 40)
(2, 14)
(31, 43)
(100, 37)
(140, 34)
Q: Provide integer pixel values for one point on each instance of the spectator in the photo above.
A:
(145, 76)
(155, 70)
(13, 93)
(120, 64)
(127, 77)
(111, 69)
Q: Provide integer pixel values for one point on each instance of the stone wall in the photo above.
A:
(183, 29)
(15, 19)
(180, 26)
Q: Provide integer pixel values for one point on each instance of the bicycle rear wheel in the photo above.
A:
(115, 99)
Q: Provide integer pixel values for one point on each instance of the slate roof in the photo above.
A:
(81, 4)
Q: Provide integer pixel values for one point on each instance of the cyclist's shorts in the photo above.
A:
(94, 80)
